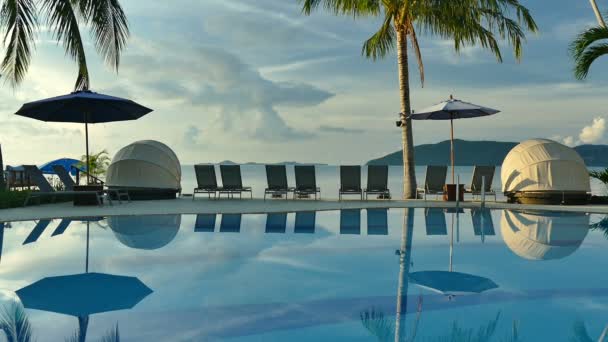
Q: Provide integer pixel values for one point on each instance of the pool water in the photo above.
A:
(351, 275)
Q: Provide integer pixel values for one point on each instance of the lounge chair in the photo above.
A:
(205, 223)
(434, 181)
(479, 173)
(482, 222)
(276, 223)
(434, 219)
(230, 223)
(276, 175)
(350, 221)
(232, 182)
(206, 181)
(377, 221)
(37, 231)
(69, 184)
(45, 189)
(306, 182)
(377, 181)
(350, 181)
(305, 222)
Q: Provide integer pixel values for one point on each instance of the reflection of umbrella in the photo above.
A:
(452, 283)
(66, 163)
(84, 294)
(83, 107)
(449, 282)
(450, 110)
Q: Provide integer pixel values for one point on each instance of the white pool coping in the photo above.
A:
(254, 206)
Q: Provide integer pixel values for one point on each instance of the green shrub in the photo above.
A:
(15, 199)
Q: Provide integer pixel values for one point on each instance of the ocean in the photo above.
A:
(328, 179)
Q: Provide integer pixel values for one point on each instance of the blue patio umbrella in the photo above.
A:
(83, 107)
(453, 109)
(66, 163)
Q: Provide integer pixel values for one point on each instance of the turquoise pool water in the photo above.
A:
(355, 275)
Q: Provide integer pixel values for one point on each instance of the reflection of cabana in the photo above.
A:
(145, 232)
(543, 235)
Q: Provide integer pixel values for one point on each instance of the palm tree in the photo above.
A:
(98, 163)
(466, 22)
(587, 47)
(21, 19)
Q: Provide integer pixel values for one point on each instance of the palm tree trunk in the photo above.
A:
(2, 180)
(598, 14)
(407, 140)
(405, 260)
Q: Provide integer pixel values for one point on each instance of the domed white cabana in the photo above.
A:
(145, 232)
(148, 169)
(543, 236)
(546, 172)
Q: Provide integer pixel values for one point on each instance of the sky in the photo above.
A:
(257, 81)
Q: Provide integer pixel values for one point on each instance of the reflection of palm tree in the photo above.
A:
(601, 225)
(580, 333)
(15, 324)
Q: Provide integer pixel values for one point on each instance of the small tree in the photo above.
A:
(99, 163)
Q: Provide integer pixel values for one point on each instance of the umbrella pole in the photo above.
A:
(86, 133)
(452, 146)
(86, 266)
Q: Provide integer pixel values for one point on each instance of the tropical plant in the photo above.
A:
(602, 176)
(601, 225)
(21, 20)
(98, 163)
(465, 22)
(587, 48)
(15, 324)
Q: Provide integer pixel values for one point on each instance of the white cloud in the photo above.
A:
(569, 141)
(593, 133)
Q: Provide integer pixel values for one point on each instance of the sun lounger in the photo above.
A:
(231, 223)
(232, 182)
(306, 182)
(69, 184)
(305, 222)
(276, 176)
(434, 181)
(206, 181)
(37, 231)
(377, 181)
(479, 173)
(434, 219)
(350, 221)
(205, 223)
(45, 189)
(377, 221)
(350, 181)
(276, 223)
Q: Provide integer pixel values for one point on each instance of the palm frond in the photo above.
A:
(109, 28)
(353, 8)
(377, 324)
(417, 53)
(585, 49)
(19, 19)
(62, 18)
(112, 336)
(382, 42)
(15, 324)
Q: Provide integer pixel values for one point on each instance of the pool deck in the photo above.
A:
(254, 206)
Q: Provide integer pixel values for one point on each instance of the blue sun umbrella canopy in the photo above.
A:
(83, 107)
(66, 163)
(84, 294)
(452, 283)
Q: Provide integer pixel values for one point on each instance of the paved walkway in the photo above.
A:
(205, 206)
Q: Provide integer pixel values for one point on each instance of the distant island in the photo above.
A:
(480, 153)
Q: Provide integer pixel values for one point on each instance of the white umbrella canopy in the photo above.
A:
(453, 109)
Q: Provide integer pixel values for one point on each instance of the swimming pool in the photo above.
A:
(350, 275)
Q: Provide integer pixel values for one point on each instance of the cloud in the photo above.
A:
(245, 102)
(594, 132)
(335, 129)
(569, 141)
(192, 135)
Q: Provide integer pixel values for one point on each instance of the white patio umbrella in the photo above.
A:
(453, 109)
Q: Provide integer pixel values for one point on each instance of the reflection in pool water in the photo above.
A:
(318, 276)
